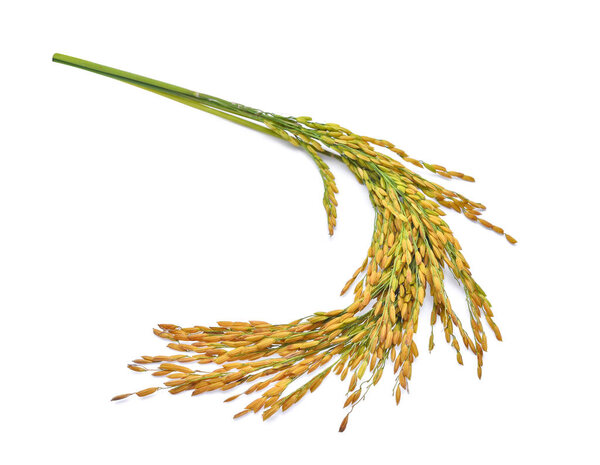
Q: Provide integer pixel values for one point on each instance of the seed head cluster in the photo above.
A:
(410, 248)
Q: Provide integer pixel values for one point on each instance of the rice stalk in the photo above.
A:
(410, 248)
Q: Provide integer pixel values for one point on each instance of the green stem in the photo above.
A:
(179, 94)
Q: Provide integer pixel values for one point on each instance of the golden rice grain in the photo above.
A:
(147, 392)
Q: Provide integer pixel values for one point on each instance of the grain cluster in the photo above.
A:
(411, 247)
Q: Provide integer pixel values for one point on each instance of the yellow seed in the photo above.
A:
(353, 382)
(344, 424)
(496, 332)
(413, 349)
(390, 240)
(264, 343)
(136, 368)
(406, 369)
(421, 295)
(404, 352)
(241, 414)
(147, 392)
(174, 367)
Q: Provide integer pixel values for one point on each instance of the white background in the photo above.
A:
(120, 210)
